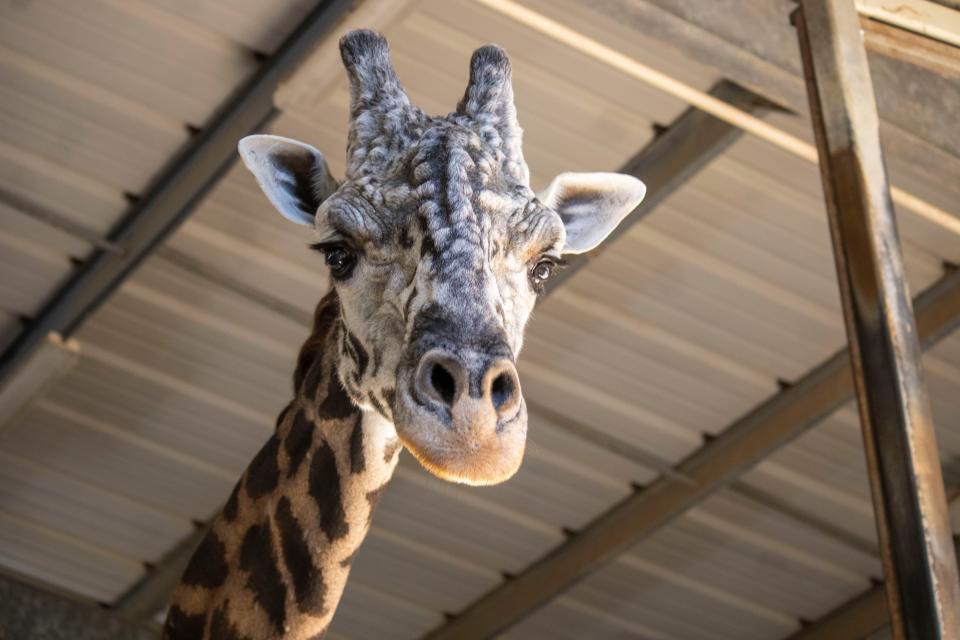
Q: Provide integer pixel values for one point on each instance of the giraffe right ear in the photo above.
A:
(293, 175)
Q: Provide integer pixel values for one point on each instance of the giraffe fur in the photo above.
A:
(276, 559)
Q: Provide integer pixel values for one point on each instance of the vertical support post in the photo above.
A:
(908, 495)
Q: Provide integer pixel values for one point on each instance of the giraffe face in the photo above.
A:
(438, 249)
(445, 257)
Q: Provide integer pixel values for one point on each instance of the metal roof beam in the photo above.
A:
(715, 465)
(175, 192)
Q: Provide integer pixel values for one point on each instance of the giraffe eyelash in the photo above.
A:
(323, 247)
(556, 262)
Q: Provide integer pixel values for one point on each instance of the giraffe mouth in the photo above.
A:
(475, 439)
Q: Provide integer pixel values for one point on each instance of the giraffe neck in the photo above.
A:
(275, 561)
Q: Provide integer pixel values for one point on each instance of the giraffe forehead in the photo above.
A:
(454, 185)
(466, 193)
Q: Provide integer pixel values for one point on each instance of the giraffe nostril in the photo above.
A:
(503, 388)
(501, 391)
(443, 383)
(440, 378)
(481, 397)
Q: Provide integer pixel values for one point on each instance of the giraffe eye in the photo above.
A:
(340, 259)
(541, 272)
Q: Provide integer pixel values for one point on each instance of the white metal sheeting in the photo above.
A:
(682, 325)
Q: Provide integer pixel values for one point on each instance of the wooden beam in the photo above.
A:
(903, 460)
(714, 466)
(894, 42)
(928, 19)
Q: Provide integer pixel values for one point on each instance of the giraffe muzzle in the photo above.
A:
(463, 416)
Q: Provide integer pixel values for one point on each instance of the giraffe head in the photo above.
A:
(437, 249)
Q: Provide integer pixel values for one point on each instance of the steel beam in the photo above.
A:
(923, 590)
(674, 156)
(174, 194)
(30, 613)
(714, 466)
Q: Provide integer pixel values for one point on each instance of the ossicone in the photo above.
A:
(490, 88)
(373, 81)
(488, 103)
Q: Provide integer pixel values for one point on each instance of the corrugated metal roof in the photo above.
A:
(683, 324)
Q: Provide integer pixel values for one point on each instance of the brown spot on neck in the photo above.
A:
(311, 354)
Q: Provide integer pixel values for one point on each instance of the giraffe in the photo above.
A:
(437, 249)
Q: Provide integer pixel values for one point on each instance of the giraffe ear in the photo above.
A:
(293, 175)
(591, 205)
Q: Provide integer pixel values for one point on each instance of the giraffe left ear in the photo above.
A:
(591, 205)
(293, 175)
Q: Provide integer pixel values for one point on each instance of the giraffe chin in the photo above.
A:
(477, 453)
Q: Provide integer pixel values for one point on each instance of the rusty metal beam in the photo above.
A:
(714, 466)
(923, 590)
